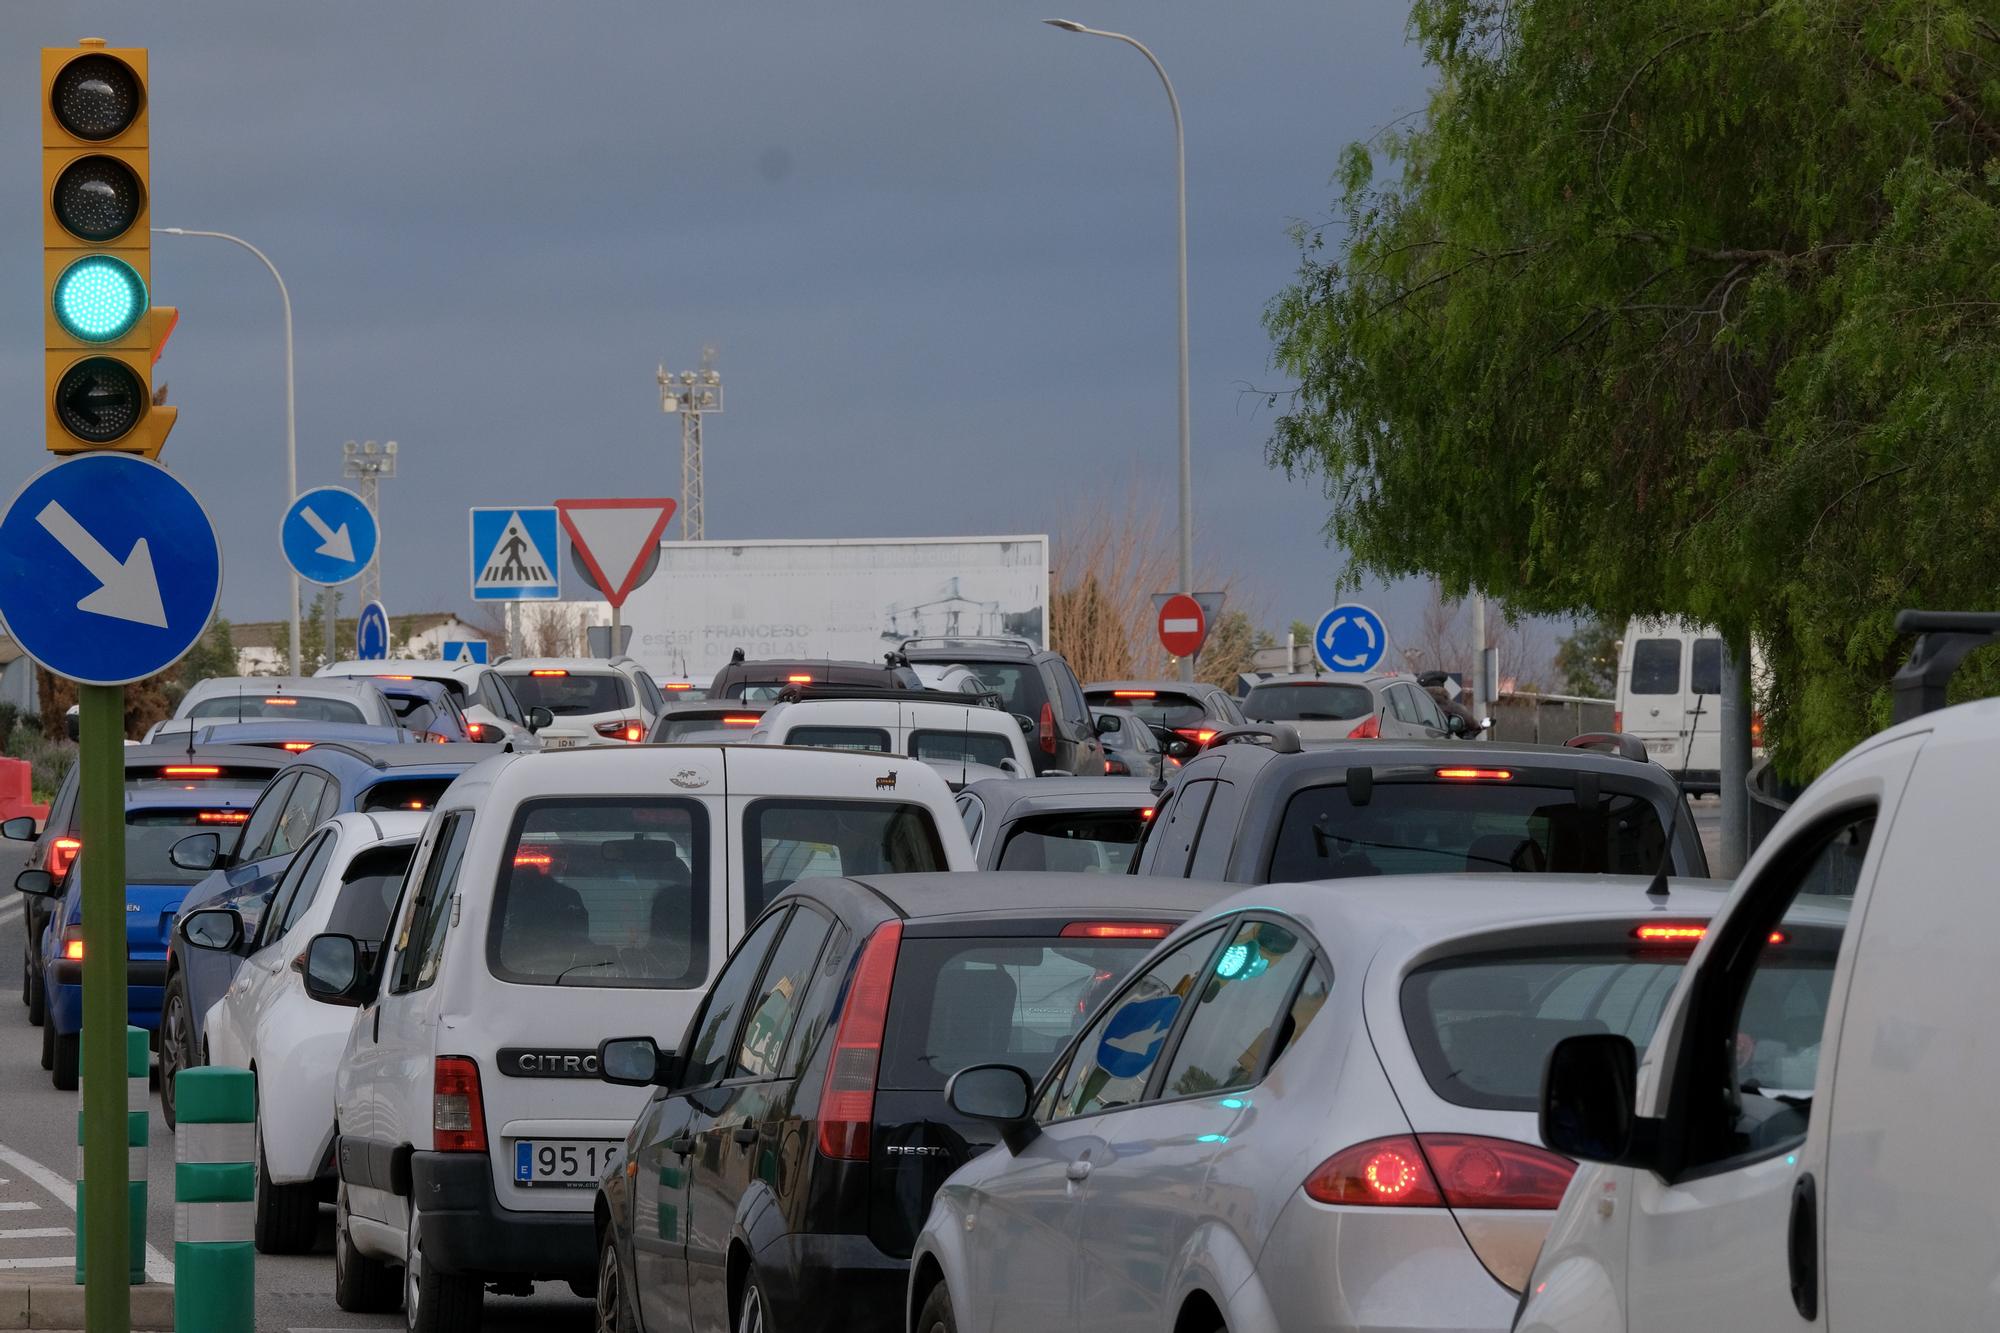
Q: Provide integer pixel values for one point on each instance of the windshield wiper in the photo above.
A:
(578, 967)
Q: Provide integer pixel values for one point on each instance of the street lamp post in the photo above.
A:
(291, 416)
(1180, 187)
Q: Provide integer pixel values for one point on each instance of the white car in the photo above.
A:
(591, 701)
(277, 699)
(345, 879)
(492, 713)
(558, 899)
(1801, 1146)
(955, 736)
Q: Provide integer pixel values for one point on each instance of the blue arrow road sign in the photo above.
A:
(371, 633)
(1350, 637)
(514, 555)
(461, 651)
(329, 535)
(109, 568)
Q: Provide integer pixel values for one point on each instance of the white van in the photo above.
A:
(1670, 697)
(934, 730)
(1801, 1147)
(557, 899)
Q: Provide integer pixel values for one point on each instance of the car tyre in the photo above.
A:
(63, 1072)
(287, 1217)
(752, 1316)
(614, 1313)
(176, 1041)
(433, 1301)
(48, 1046)
(361, 1285)
(37, 997)
(936, 1316)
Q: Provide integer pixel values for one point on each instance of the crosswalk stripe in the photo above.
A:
(19, 1206)
(32, 1233)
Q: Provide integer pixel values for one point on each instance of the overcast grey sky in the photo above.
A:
(933, 242)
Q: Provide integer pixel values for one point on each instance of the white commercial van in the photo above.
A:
(557, 899)
(1802, 1145)
(929, 726)
(1670, 696)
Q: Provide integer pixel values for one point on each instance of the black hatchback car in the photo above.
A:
(788, 1157)
(1033, 683)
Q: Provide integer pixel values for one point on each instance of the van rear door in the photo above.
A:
(1653, 680)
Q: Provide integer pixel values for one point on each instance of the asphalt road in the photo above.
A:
(38, 1161)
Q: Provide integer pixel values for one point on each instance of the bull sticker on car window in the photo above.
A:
(1134, 1036)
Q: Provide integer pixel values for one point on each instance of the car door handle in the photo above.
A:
(680, 1145)
(745, 1136)
(1077, 1171)
(1803, 1244)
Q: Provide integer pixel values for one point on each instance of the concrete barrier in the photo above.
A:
(17, 790)
(215, 1182)
(1547, 719)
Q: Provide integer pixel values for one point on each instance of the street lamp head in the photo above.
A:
(1067, 25)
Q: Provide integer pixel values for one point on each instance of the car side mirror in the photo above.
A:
(21, 828)
(1000, 1094)
(197, 851)
(1027, 724)
(1009, 766)
(636, 1062)
(73, 723)
(1587, 1111)
(219, 928)
(539, 717)
(337, 971)
(1108, 725)
(40, 883)
(1454, 724)
(1182, 748)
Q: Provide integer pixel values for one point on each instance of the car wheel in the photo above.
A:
(936, 1316)
(361, 1285)
(750, 1317)
(176, 1042)
(614, 1315)
(48, 1046)
(435, 1302)
(287, 1217)
(63, 1072)
(27, 979)
(38, 997)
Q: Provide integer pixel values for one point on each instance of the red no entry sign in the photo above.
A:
(1183, 627)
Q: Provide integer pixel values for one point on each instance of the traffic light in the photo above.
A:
(103, 332)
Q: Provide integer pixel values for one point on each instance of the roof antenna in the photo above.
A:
(1658, 888)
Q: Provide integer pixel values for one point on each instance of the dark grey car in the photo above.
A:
(1081, 824)
(1034, 683)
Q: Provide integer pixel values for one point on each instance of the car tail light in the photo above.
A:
(62, 855)
(847, 1101)
(679, 685)
(298, 747)
(1369, 730)
(1443, 1170)
(622, 731)
(534, 857)
(1116, 930)
(1047, 730)
(458, 1113)
(223, 817)
(1148, 812)
(1476, 774)
(190, 771)
(1199, 735)
(282, 703)
(750, 720)
(548, 671)
(1116, 768)
(1689, 935)
(73, 944)
(1134, 694)
(1618, 719)
(395, 677)
(475, 730)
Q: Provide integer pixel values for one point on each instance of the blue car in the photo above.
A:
(243, 871)
(157, 815)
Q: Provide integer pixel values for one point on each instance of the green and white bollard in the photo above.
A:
(138, 1121)
(215, 1193)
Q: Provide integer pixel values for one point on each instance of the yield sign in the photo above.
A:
(1183, 625)
(614, 537)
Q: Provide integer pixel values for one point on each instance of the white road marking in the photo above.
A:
(158, 1267)
(59, 1261)
(33, 1233)
(18, 1205)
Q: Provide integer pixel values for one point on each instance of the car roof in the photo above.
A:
(418, 685)
(1002, 798)
(1037, 893)
(1381, 754)
(307, 687)
(204, 752)
(422, 667)
(971, 650)
(383, 826)
(1196, 687)
(521, 666)
(454, 757)
(248, 734)
(656, 769)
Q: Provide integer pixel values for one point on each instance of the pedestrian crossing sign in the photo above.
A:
(513, 555)
(465, 652)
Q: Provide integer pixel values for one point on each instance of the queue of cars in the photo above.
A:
(803, 1023)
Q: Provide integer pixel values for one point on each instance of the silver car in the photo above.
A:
(1335, 708)
(1313, 1107)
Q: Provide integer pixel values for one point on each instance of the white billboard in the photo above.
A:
(849, 599)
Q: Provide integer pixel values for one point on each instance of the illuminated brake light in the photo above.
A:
(847, 1100)
(679, 685)
(1476, 774)
(548, 671)
(1369, 730)
(750, 721)
(1134, 694)
(798, 680)
(475, 730)
(395, 677)
(62, 855)
(72, 949)
(1199, 735)
(298, 747)
(539, 860)
(1116, 930)
(1688, 935)
(622, 731)
(190, 771)
(282, 703)
(458, 1115)
(223, 817)
(1046, 732)
(1147, 813)
(1443, 1170)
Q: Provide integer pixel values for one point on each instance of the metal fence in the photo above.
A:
(1548, 719)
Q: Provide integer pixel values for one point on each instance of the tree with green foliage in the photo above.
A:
(1674, 307)
(213, 655)
(1588, 659)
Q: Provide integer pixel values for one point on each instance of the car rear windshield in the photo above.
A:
(254, 707)
(402, 794)
(368, 892)
(1100, 841)
(151, 833)
(601, 892)
(961, 747)
(1306, 702)
(1019, 685)
(959, 1002)
(574, 693)
(808, 839)
(1415, 828)
(872, 739)
(1483, 1026)
(700, 722)
(1157, 708)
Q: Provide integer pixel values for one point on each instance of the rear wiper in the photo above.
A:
(578, 967)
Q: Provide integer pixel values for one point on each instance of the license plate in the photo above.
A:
(572, 1162)
(561, 743)
(1658, 745)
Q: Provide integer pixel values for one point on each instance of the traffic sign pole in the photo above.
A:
(107, 1298)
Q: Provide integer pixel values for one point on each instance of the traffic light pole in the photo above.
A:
(106, 1223)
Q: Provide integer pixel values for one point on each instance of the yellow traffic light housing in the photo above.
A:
(102, 332)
